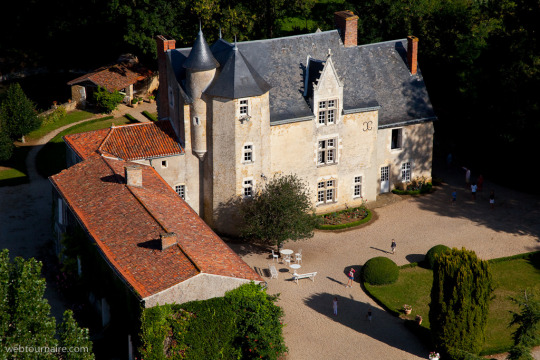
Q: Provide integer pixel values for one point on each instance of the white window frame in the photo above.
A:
(327, 151)
(327, 191)
(406, 171)
(357, 187)
(327, 112)
(245, 151)
(244, 108)
(248, 183)
(179, 189)
(399, 143)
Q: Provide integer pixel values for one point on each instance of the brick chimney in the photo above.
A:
(133, 174)
(163, 45)
(412, 53)
(347, 25)
(167, 240)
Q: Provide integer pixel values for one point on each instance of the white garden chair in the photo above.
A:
(274, 256)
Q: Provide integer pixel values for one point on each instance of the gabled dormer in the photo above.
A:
(324, 90)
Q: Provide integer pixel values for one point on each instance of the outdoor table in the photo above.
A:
(286, 253)
(295, 267)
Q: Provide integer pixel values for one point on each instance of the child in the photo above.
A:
(335, 306)
(368, 315)
(492, 199)
(393, 246)
(351, 278)
(454, 197)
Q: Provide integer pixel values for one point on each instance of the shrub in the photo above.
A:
(149, 116)
(379, 271)
(58, 114)
(107, 101)
(436, 250)
(131, 118)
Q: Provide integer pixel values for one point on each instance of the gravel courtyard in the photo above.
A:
(417, 224)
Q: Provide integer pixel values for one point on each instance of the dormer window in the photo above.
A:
(327, 112)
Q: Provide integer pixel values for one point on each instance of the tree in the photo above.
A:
(72, 336)
(106, 100)
(6, 145)
(25, 319)
(18, 114)
(528, 320)
(460, 295)
(281, 211)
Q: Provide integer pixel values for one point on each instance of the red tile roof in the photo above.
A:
(115, 77)
(128, 142)
(126, 223)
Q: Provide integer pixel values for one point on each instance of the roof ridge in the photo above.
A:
(105, 140)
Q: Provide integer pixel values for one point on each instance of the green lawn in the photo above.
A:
(71, 117)
(510, 279)
(15, 172)
(52, 158)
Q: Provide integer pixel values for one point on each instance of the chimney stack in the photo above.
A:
(163, 45)
(133, 174)
(347, 25)
(167, 240)
(412, 53)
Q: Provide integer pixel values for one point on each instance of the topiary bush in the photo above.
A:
(430, 256)
(379, 271)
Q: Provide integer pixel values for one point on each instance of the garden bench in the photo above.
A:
(311, 276)
(273, 271)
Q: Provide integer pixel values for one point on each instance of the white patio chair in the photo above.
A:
(298, 258)
(287, 259)
(274, 256)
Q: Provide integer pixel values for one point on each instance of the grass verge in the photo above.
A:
(52, 158)
(15, 172)
(510, 276)
(71, 117)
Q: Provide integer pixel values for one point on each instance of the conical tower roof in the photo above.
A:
(238, 79)
(200, 56)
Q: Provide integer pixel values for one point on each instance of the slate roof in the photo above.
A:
(238, 79)
(200, 56)
(126, 223)
(115, 77)
(373, 75)
(128, 142)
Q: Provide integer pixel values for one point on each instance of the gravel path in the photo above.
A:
(417, 224)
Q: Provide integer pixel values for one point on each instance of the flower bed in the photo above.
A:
(344, 219)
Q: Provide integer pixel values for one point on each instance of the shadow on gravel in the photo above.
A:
(415, 258)
(353, 314)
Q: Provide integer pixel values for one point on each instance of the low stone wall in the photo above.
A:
(69, 106)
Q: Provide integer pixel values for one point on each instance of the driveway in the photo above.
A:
(417, 224)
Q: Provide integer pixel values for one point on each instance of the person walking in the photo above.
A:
(335, 306)
(369, 315)
(454, 197)
(473, 191)
(480, 182)
(393, 246)
(467, 177)
(492, 199)
(351, 278)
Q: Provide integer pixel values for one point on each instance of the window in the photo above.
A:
(244, 108)
(164, 163)
(248, 188)
(171, 97)
(181, 191)
(396, 139)
(327, 152)
(326, 191)
(327, 112)
(247, 156)
(406, 172)
(60, 211)
(357, 191)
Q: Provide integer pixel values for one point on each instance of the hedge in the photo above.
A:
(149, 116)
(347, 225)
(380, 270)
(131, 118)
(424, 190)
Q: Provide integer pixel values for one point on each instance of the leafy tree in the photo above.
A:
(18, 114)
(106, 100)
(281, 211)
(462, 287)
(6, 145)
(527, 334)
(71, 335)
(24, 309)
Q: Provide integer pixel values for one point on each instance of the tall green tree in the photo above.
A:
(528, 320)
(6, 145)
(460, 295)
(18, 114)
(73, 336)
(281, 211)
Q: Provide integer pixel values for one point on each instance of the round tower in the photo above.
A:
(200, 71)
